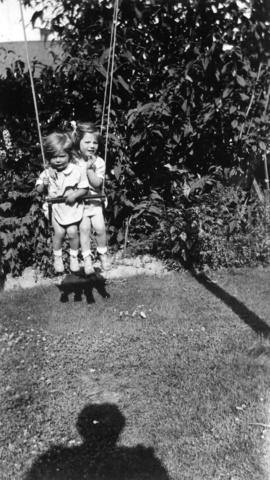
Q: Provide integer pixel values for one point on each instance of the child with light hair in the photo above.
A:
(63, 178)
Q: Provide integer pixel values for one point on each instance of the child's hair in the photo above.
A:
(80, 129)
(56, 143)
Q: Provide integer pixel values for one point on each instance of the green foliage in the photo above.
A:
(222, 228)
(24, 234)
(190, 96)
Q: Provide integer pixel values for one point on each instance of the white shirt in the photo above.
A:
(99, 169)
(72, 178)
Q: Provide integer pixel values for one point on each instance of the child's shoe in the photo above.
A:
(74, 264)
(88, 266)
(58, 264)
(105, 261)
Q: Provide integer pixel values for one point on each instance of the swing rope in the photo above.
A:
(32, 85)
(108, 85)
(110, 71)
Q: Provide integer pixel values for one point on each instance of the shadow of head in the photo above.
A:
(100, 424)
(81, 286)
(98, 457)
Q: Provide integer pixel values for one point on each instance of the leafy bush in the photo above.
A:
(190, 94)
(24, 234)
(224, 228)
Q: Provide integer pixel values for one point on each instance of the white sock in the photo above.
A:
(73, 253)
(102, 250)
(58, 253)
(87, 253)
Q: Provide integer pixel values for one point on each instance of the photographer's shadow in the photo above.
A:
(98, 457)
(81, 286)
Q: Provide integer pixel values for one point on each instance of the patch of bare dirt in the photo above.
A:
(122, 267)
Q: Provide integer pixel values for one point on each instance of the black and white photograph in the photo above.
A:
(134, 240)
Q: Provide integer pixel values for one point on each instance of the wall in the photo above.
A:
(47, 53)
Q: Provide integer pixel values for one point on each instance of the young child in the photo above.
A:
(86, 143)
(63, 178)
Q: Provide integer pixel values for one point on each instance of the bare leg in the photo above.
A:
(100, 230)
(58, 238)
(73, 236)
(98, 224)
(59, 234)
(85, 231)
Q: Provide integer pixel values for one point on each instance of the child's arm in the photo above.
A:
(82, 187)
(72, 197)
(95, 175)
(93, 179)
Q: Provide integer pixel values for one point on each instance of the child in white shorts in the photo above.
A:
(86, 143)
(63, 178)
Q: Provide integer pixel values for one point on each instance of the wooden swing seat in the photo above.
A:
(85, 197)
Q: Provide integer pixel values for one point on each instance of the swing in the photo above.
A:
(107, 92)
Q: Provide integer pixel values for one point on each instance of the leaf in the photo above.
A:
(187, 129)
(128, 203)
(157, 211)
(148, 107)
(155, 196)
(187, 77)
(123, 83)
(177, 138)
(141, 206)
(171, 168)
(5, 206)
(131, 116)
(207, 116)
(120, 236)
(157, 132)
(38, 14)
(128, 55)
(240, 81)
(105, 55)
(134, 139)
(184, 106)
(117, 171)
(262, 145)
(101, 69)
(205, 63)
(244, 97)
(226, 92)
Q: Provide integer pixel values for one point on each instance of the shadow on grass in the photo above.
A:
(80, 286)
(250, 318)
(98, 457)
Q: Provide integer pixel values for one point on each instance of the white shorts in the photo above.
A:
(94, 210)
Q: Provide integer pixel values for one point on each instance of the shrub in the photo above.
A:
(24, 234)
(190, 93)
(226, 228)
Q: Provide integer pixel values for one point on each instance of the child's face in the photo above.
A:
(88, 145)
(60, 162)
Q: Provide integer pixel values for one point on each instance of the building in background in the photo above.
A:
(43, 48)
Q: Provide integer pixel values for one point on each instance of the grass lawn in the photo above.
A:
(185, 360)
